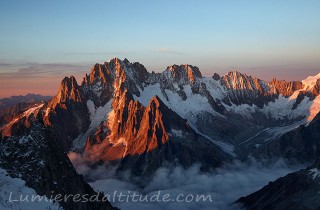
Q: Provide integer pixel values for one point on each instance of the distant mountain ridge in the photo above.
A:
(29, 98)
(15, 105)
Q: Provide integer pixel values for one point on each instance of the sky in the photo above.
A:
(43, 41)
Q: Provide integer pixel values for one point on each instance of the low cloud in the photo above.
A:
(224, 185)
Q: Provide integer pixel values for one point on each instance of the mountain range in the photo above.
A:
(122, 115)
(29, 98)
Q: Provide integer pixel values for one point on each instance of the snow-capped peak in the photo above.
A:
(310, 81)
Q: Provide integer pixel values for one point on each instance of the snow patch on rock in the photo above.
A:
(178, 133)
(315, 173)
(214, 87)
(98, 114)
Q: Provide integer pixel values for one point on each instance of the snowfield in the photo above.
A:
(12, 188)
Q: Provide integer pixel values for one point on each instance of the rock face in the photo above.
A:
(286, 88)
(67, 112)
(316, 88)
(40, 161)
(298, 190)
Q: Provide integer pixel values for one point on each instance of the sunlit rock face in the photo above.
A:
(286, 88)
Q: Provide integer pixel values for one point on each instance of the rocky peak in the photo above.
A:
(184, 73)
(142, 138)
(134, 71)
(234, 80)
(153, 126)
(286, 88)
(69, 90)
(237, 81)
(112, 78)
(67, 112)
(316, 88)
(134, 129)
(140, 129)
(69, 82)
(98, 73)
(116, 68)
(246, 89)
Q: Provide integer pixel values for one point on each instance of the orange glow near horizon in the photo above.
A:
(47, 86)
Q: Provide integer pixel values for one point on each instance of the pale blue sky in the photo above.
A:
(262, 38)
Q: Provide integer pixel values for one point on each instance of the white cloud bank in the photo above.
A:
(225, 185)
